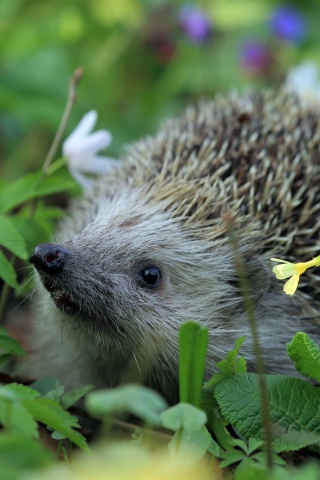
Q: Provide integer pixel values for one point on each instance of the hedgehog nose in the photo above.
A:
(48, 257)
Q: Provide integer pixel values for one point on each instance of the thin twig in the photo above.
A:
(74, 81)
(240, 267)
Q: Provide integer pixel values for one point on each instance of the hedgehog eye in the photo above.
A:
(149, 276)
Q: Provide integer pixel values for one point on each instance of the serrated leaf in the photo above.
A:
(230, 457)
(9, 344)
(15, 418)
(138, 400)
(55, 394)
(70, 398)
(17, 391)
(7, 272)
(306, 355)
(193, 342)
(229, 366)
(49, 387)
(52, 414)
(296, 424)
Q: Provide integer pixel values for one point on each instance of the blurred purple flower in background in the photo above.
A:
(288, 24)
(256, 57)
(195, 23)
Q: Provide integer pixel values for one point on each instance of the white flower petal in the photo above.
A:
(83, 128)
(85, 125)
(88, 145)
(82, 180)
(98, 165)
(81, 148)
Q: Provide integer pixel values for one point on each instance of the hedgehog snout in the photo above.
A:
(49, 257)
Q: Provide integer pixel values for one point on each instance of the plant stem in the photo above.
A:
(240, 267)
(75, 79)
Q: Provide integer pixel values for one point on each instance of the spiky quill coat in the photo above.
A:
(251, 160)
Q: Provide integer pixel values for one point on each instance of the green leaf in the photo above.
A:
(45, 385)
(35, 185)
(52, 414)
(296, 424)
(15, 418)
(216, 424)
(59, 181)
(306, 355)
(14, 194)
(13, 415)
(192, 439)
(55, 394)
(193, 342)
(230, 457)
(33, 231)
(249, 469)
(5, 357)
(18, 456)
(192, 446)
(70, 398)
(7, 272)
(183, 415)
(138, 400)
(230, 365)
(11, 239)
(9, 344)
(16, 391)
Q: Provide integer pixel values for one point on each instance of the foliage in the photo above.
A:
(306, 355)
(167, 67)
(140, 65)
(138, 400)
(193, 341)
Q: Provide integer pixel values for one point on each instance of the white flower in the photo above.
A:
(81, 148)
(303, 80)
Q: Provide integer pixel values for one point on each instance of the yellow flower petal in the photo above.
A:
(291, 285)
(285, 271)
(278, 260)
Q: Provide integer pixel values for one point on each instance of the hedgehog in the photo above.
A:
(148, 249)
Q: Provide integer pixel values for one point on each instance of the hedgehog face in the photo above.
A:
(131, 273)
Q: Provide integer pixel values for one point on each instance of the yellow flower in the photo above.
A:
(127, 462)
(292, 270)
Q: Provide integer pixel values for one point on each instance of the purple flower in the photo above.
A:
(288, 24)
(256, 57)
(195, 23)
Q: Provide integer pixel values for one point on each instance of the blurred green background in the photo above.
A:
(143, 60)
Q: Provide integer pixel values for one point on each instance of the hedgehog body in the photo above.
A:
(148, 249)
